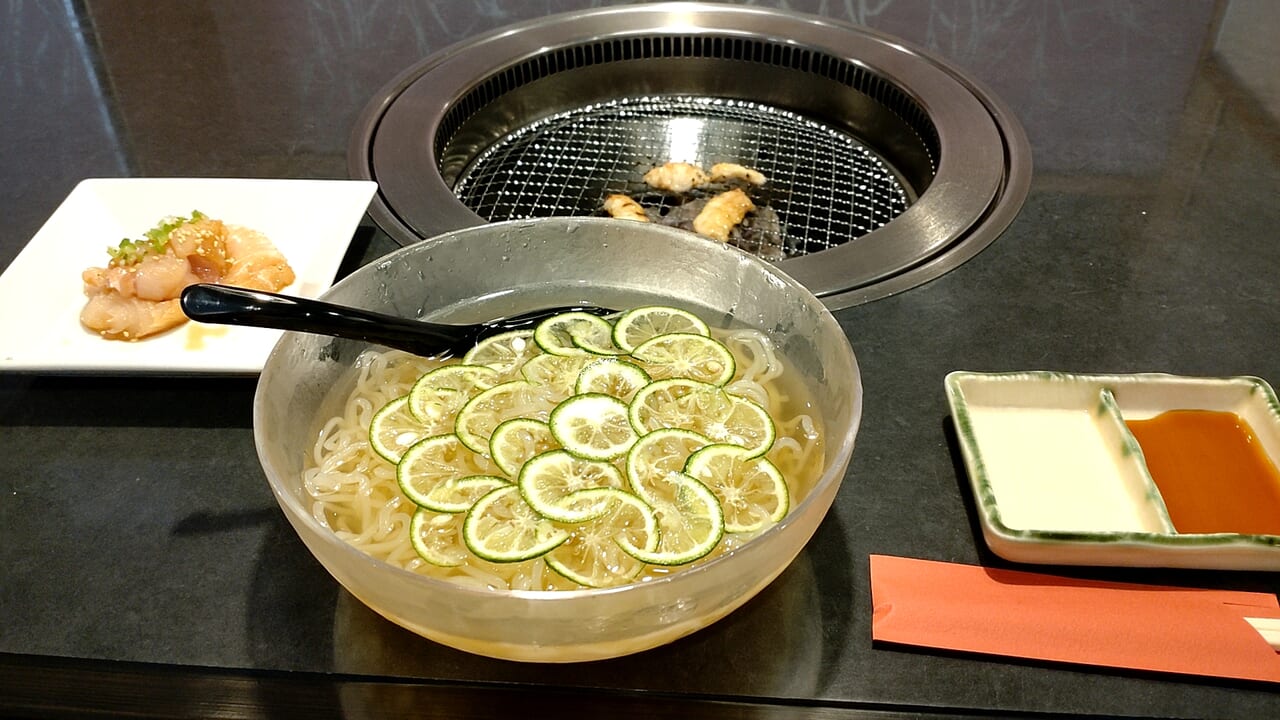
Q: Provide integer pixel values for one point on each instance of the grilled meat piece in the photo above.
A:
(733, 172)
(722, 213)
(676, 177)
(624, 208)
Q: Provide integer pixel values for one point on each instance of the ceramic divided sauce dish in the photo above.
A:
(1145, 470)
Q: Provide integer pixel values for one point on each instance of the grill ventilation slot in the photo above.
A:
(788, 57)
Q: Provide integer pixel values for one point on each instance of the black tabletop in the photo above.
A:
(147, 569)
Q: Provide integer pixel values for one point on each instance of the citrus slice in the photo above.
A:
(657, 456)
(751, 490)
(686, 355)
(677, 403)
(596, 338)
(593, 426)
(746, 424)
(556, 334)
(517, 440)
(557, 372)
(485, 412)
(393, 429)
(502, 528)
(438, 395)
(611, 376)
(592, 555)
(457, 495)
(690, 525)
(437, 538)
(549, 483)
(504, 352)
(704, 409)
(639, 324)
(430, 462)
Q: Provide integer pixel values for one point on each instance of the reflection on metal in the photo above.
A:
(887, 166)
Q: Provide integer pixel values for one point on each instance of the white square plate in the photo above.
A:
(310, 221)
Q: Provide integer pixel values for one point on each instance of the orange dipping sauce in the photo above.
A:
(1213, 473)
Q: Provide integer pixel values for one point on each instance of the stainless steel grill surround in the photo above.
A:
(961, 158)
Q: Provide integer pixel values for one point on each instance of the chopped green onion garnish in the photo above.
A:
(129, 252)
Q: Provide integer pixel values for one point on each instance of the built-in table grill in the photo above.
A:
(886, 167)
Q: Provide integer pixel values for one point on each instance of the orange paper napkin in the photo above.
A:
(1045, 617)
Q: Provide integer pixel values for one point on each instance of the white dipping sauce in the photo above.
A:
(1055, 469)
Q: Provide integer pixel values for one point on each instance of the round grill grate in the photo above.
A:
(824, 187)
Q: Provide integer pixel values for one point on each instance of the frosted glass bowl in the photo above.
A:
(505, 268)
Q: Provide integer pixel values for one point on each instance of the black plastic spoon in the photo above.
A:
(229, 305)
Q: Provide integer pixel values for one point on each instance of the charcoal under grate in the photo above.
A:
(823, 186)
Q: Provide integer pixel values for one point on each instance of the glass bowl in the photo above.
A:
(505, 268)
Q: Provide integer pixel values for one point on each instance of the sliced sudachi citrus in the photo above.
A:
(558, 372)
(676, 403)
(639, 324)
(593, 555)
(438, 395)
(437, 537)
(505, 352)
(550, 483)
(685, 355)
(593, 426)
(485, 412)
(612, 376)
(457, 495)
(517, 440)
(556, 334)
(751, 490)
(746, 424)
(501, 527)
(656, 457)
(432, 461)
(393, 429)
(596, 338)
(690, 525)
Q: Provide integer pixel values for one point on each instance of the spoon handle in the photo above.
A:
(227, 305)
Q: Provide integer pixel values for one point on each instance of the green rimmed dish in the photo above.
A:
(1058, 478)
